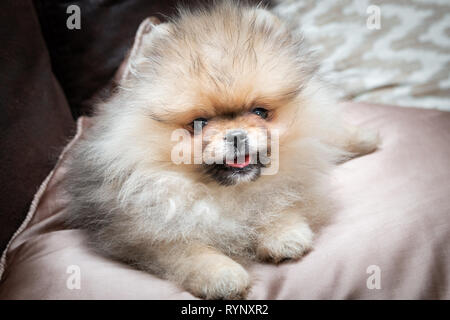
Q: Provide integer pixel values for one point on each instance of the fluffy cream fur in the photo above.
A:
(172, 220)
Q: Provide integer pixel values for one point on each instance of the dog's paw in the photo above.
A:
(363, 141)
(220, 280)
(291, 243)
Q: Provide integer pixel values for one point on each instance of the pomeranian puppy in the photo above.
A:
(213, 152)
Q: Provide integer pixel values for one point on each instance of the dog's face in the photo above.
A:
(230, 79)
(235, 143)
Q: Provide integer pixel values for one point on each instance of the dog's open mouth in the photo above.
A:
(239, 163)
(240, 169)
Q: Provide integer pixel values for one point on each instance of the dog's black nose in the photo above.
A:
(238, 138)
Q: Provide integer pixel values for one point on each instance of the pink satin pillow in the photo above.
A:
(391, 230)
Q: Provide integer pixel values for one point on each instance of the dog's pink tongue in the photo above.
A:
(239, 165)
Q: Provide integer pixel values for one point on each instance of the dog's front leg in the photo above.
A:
(287, 237)
(204, 271)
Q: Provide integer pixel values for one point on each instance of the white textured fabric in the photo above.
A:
(405, 62)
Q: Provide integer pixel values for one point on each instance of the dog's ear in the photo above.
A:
(146, 32)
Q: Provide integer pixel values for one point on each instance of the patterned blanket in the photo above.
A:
(391, 51)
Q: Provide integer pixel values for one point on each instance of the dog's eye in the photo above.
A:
(199, 123)
(263, 113)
